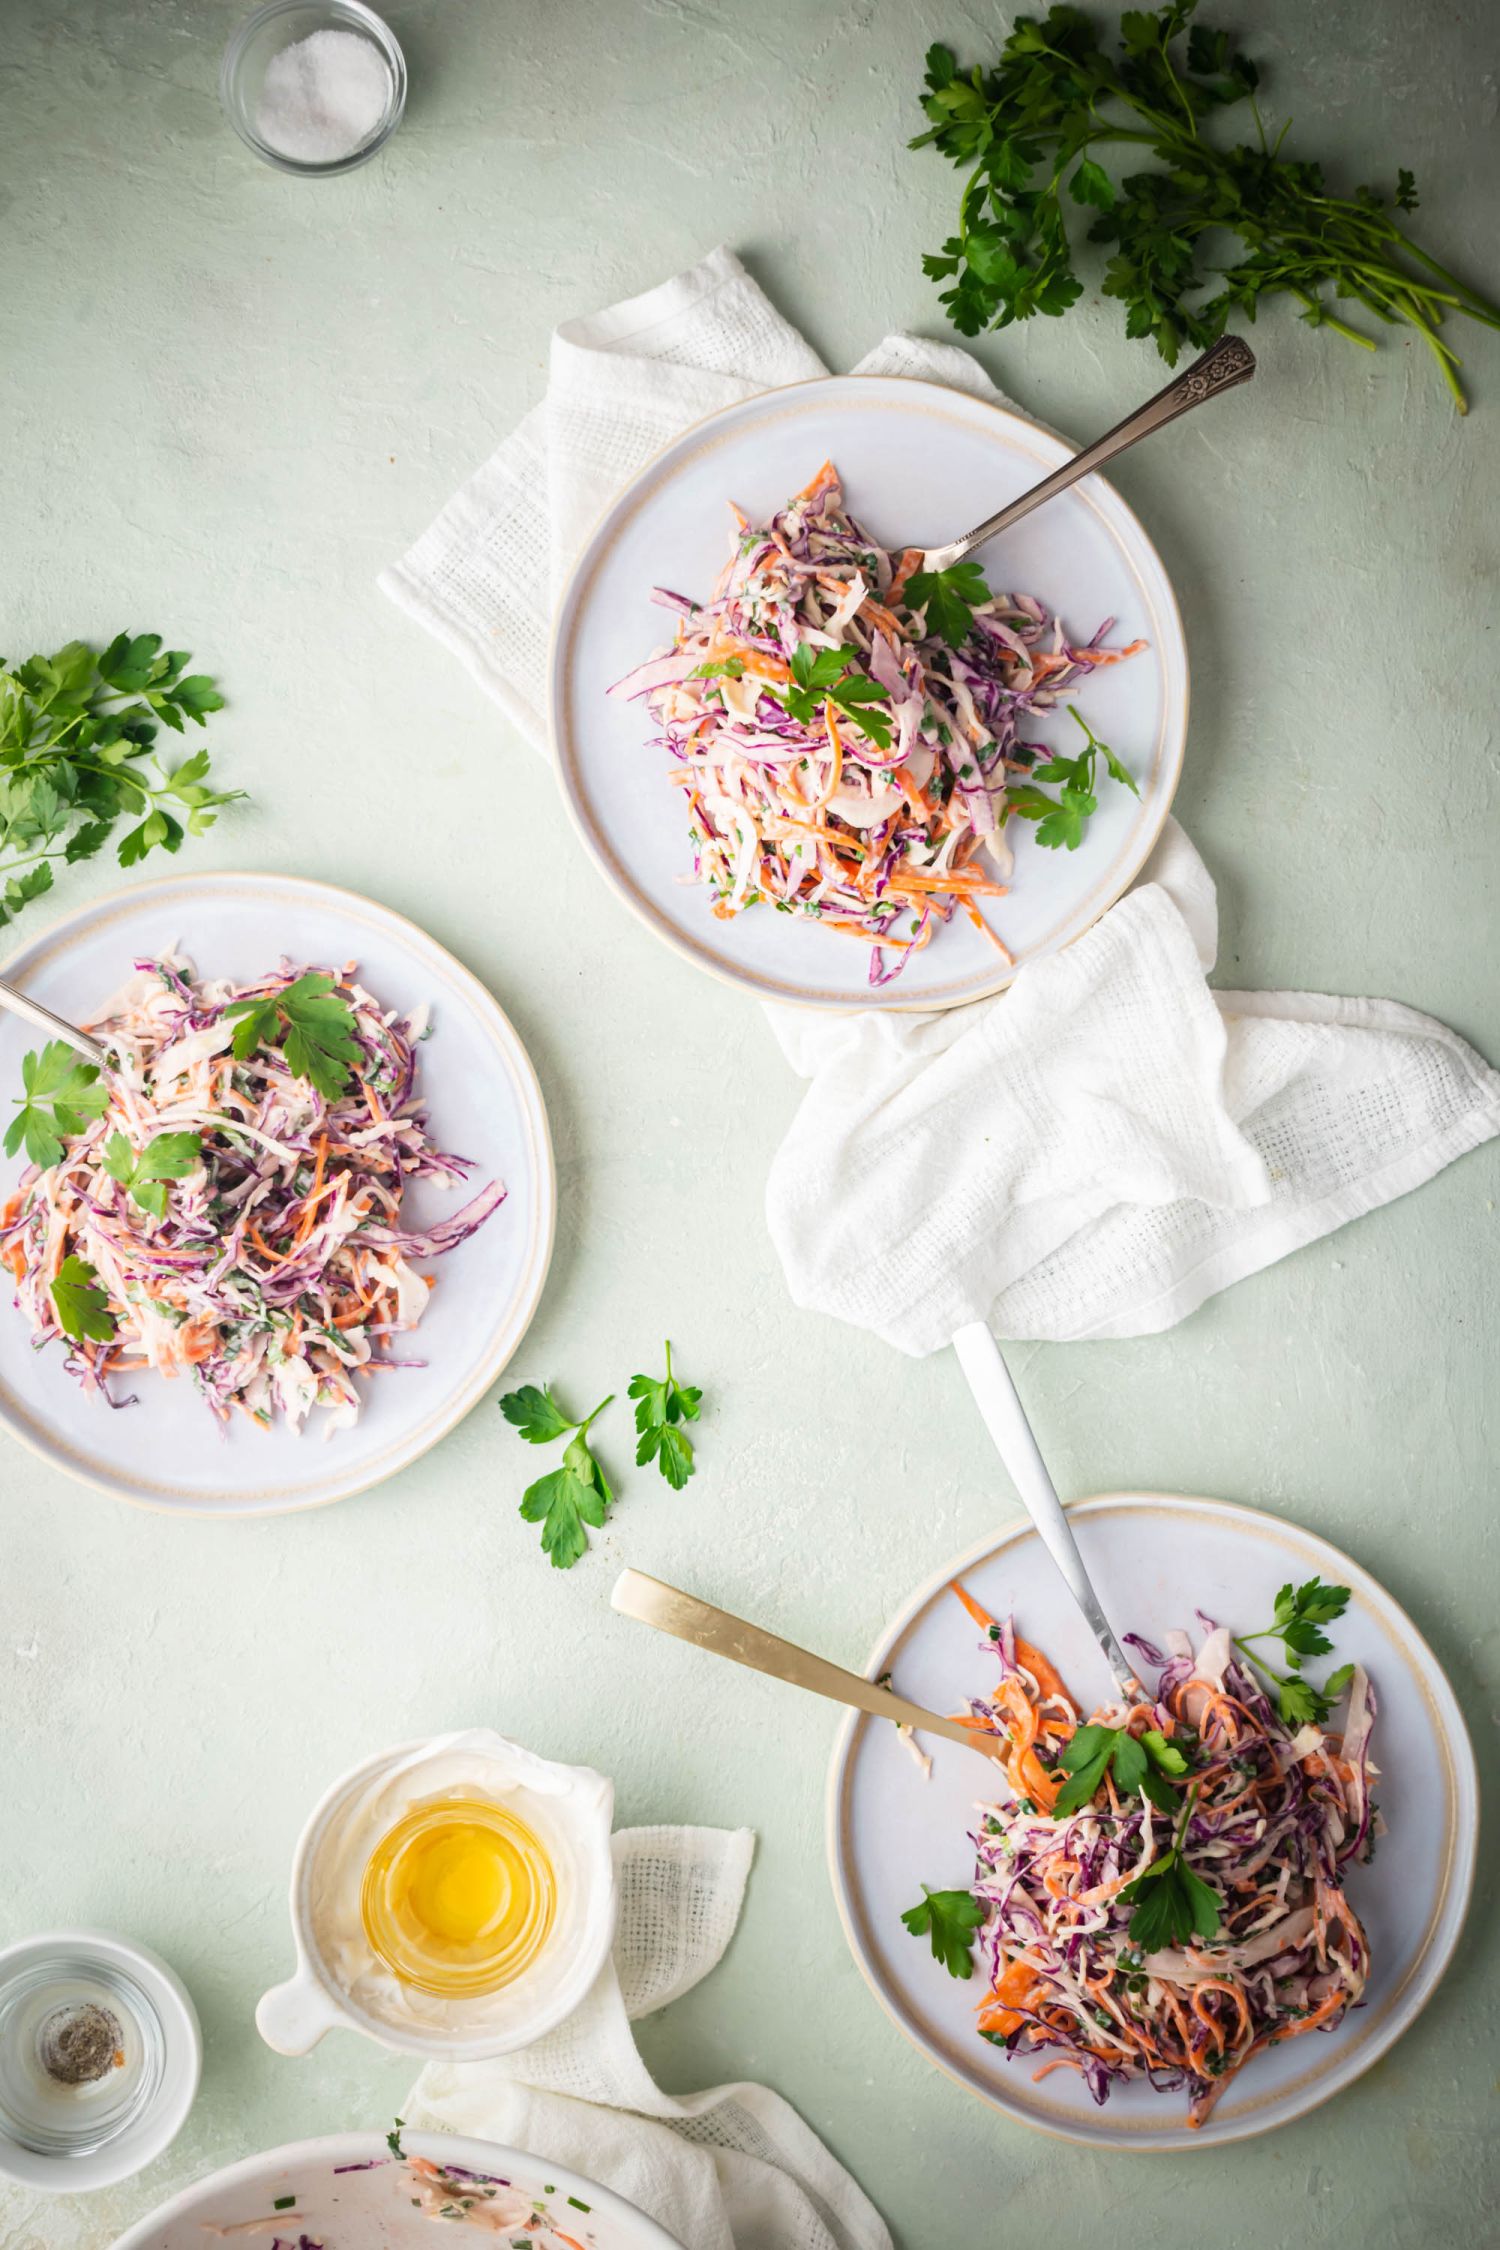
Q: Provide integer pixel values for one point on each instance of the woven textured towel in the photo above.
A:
(732, 2169)
(1119, 1141)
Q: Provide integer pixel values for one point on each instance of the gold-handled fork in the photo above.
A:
(670, 1610)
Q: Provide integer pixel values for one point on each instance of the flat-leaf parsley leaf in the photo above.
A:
(1139, 1762)
(566, 1499)
(1172, 1904)
(949, 1919)
(169, 1156)
(661, 1407)
(1301, 1613)
(822, 676)
(62, 1095)
(950, 598)
(1061, 820)
(310, 1023)
(82, 1308)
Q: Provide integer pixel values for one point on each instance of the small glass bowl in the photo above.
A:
(280, 24)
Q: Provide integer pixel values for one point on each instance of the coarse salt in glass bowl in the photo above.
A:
(314, 89)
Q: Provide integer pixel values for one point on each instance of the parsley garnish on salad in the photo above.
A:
(1301, 1614)
(310, 1022)
(144, 1177)
(950, 598)
(949, 1919)
(1172, 1904)
(62, 1093)
(82, 1308)
(822, 676)
(1061, 820)
(1138, 1762)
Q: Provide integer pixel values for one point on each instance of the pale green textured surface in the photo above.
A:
(227, 398)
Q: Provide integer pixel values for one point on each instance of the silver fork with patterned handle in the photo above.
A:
(1228, 362)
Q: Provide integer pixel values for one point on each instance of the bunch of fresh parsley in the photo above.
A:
(1025, 133)
(1301, 1614)
(78, 732)
(579, 1494)
(310, 1023)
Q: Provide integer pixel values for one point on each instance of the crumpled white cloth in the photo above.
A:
(1092, 1153)
(1119, 1142)
(731, 2169)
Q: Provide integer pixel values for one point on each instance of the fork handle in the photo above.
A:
(689, 1619)
(1226, 363)
(1005, 1418)
(21, 1004)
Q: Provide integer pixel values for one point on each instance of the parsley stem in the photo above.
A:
(1327, 320)
(583, 1427)
(1260, 1664)
(1180, 1837)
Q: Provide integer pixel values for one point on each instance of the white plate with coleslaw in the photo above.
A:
(1159, 1560)
(308, 1304)
(351, 2192)
(916, 463)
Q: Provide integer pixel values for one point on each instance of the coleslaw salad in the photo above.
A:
(273, 1268)
(839, 759)
(1264, 1820)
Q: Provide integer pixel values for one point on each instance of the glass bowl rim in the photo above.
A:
(352, 13)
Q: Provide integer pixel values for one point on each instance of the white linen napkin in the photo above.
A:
(731, 2169)
(1120, 1142)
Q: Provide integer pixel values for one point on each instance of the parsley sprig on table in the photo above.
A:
(78, 731)
(1172, 1904)
(62, 1094)
(1301, 1613)
(566, 1499)
(822, 676)
(1061, 820)
(661, 1407)
(1025, 133)
(949, 1919)
(1139, 1763)
(310, 1023)
(82, 1308)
